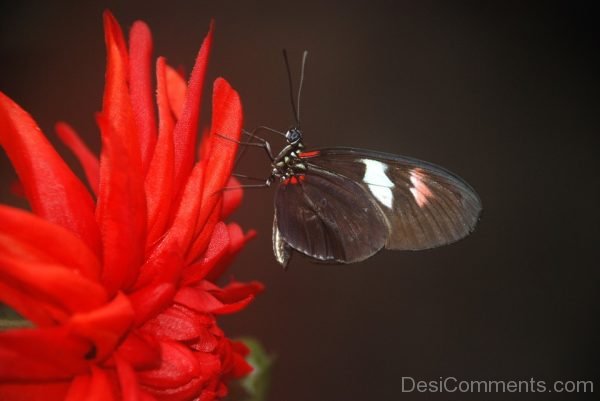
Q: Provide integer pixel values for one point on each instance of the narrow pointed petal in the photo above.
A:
(54, 192)
(116, 103)
(121, 212)
(159, 180)
(28, 237)
(226, 121)
(88, 160)
(51, 286)
(140, 86)
(186, 129)
(29, 308)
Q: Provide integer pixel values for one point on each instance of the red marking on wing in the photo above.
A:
(306, 155)
(294, 180)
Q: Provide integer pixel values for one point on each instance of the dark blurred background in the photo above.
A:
(505, 94)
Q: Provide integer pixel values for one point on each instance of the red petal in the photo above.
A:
(240, 366)
(198, 300)
(217, 248)
(149, 300)
(29, 308)
(105, 326)
(176, 323)
(163, 266)
(226, 121)
(80, 387)
(88, 160)
(237, 241)
(29, 237)
(240, 347)
(121, 208)
(159, 180)
(206, 302)
(130, 388)
(121, 212)
(99, 386)
(116, 104)
(179, 367)
(52, 286)
(41, 354)
(232, 198)
(204, 236)
(232, 294)
(53, 391)
(186, 129)
(176, 90)
(181, 232)
(140, 351)
(54, 192)
(140, 85)
(235, 291)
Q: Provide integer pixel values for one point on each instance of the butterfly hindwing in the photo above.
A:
(328, 217)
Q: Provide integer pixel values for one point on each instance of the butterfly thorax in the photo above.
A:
(287, 163)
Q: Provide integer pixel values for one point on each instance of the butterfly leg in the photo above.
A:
(238, 175)
(265, 145)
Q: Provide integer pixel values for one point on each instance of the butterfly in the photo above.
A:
(343, 205)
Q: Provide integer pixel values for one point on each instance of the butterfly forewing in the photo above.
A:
(328, 217)
(424, 205)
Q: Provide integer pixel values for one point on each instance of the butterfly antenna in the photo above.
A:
(291, 85)
(304, 56)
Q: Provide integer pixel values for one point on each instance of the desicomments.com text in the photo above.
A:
(454, 385)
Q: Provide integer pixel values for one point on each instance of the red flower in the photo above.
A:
(120, 284)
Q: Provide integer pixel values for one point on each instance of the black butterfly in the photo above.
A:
(343, 205)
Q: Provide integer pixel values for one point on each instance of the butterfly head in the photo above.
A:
(293, 136)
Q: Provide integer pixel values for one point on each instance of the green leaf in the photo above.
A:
(257, 382)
